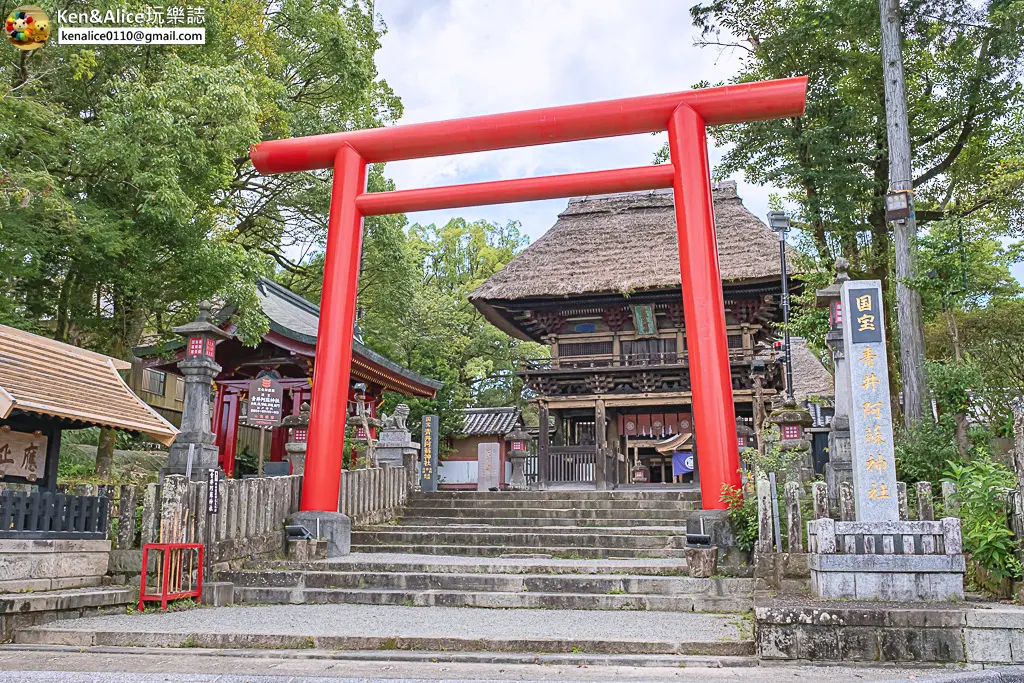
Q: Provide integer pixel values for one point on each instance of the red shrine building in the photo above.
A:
(287, 351)
(602, 289)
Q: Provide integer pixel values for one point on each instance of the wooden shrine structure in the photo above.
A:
(288, 352)
(602, 289)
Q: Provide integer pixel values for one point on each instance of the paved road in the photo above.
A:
(55, 665)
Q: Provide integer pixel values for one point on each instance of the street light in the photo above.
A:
(779, 222)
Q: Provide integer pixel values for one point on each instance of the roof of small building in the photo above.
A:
(298, 318)
(810, 377)
(484, 421)
(628, 242)
(40, 376)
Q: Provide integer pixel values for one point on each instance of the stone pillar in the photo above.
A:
(925, 505)
(199, 370)
(543, 442)
(295, 447)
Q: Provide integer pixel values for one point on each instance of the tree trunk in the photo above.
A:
(963, 443)
(908, 301)
(105, 452)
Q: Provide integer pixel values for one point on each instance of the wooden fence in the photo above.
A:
(46, 515)
(373, 495)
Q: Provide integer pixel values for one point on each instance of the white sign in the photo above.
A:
(871, 439)
(22, 454)
(488, 469)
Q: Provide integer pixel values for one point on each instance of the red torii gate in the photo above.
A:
(685, 115)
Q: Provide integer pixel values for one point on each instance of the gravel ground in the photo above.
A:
(439, 622)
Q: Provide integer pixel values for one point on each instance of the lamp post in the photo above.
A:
(779, 222)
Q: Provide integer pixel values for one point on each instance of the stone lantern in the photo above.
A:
(518, 440)
(295, 448)
(793, 421)
(840, 454)
(198, 367)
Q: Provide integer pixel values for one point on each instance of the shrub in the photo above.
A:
(982, 488)
(742, 516)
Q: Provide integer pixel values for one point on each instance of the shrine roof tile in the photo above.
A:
(485, 421)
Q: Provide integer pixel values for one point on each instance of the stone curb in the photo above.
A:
(567, 659)
(52, 636)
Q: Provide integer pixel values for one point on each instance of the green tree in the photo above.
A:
(126, 190)
(963, 64)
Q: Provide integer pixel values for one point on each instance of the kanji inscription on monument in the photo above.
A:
(874, 465)
(22, 454)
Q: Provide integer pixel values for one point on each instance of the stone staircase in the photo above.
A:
(562, 550)
(558, 524)
(431, 581)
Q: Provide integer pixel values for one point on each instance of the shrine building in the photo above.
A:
(286, 352)
(602, 289)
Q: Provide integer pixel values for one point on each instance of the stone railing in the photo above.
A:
(829, 537)
(250, 521)
(373, 495)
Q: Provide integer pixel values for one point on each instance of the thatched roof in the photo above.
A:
(810, 378)
(628, 242)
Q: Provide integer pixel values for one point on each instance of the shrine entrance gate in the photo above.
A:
(685, 115)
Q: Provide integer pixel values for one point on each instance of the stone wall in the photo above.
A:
(40, 565)
(33, 609)
(976, 633)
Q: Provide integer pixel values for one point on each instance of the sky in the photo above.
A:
(456, 58)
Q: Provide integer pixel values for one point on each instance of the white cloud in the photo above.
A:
(460, 58)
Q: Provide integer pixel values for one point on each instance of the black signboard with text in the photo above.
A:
(428, 439)
(266, 401)
(864, 318)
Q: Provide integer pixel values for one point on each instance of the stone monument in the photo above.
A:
(488, 466)
(295, 448)
(195, 442)
(878, 557)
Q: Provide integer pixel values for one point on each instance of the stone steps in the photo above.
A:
(554, 521)
(493, 600)
(561, 552)
(356, 627)
(480, 581)
(499, 591)
(552, 504)
(390, 563)
(567, 494)
(551, 513)
(620, 537)
(555, 531)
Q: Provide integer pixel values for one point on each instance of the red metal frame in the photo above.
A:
(685, 115)
(170, 585)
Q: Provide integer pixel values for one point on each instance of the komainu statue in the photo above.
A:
(397, 419)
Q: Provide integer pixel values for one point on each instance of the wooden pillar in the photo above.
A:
(600, 447)
(231, 434)
(543, 442)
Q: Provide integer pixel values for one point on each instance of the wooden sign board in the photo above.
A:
(22, 454)
(266, 401)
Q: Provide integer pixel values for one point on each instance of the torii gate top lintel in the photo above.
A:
(757, 101)
(685, 115)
